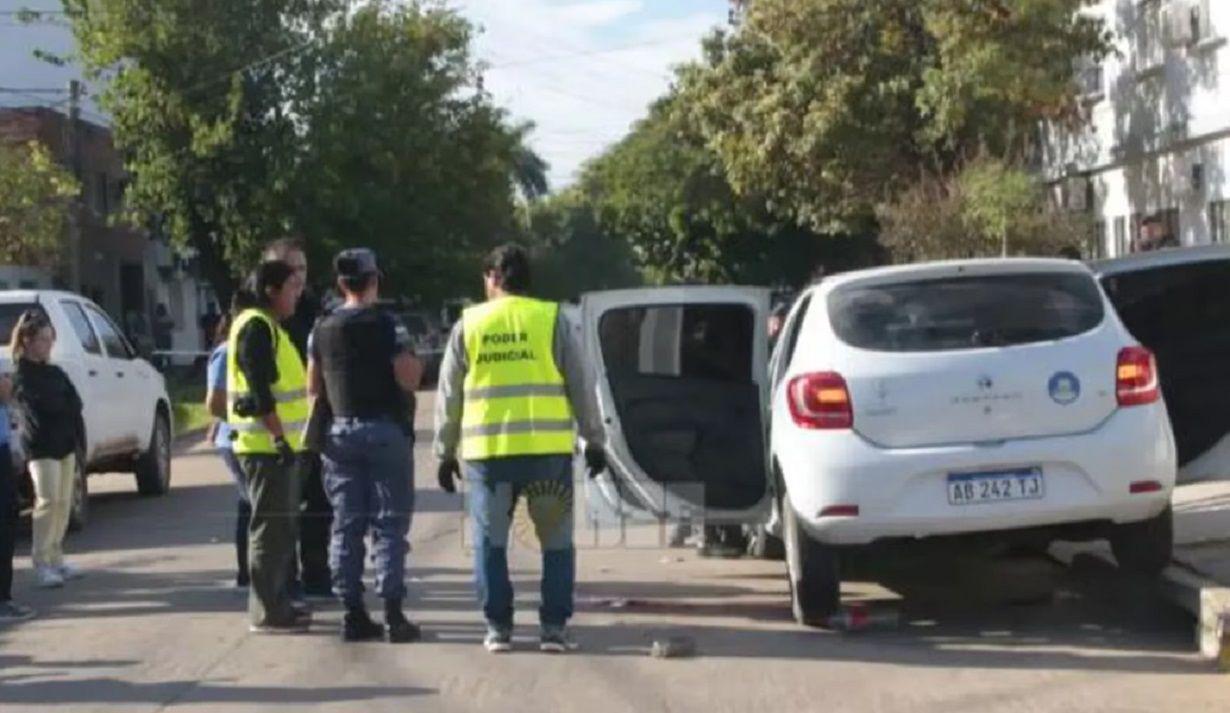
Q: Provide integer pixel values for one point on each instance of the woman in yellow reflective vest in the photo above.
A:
(267, 407)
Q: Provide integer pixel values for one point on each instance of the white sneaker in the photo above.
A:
(49, 578)
(70, 573)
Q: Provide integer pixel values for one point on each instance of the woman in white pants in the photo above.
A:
(48, 411)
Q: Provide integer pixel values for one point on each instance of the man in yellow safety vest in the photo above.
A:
(510, 389)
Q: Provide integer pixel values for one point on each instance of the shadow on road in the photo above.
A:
(95, 691)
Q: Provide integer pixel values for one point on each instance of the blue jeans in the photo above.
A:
(495, 485)
(369, 478)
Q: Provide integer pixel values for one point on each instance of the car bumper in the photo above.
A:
(902, 492)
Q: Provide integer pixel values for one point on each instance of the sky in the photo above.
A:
(584, 70)
(581, 70)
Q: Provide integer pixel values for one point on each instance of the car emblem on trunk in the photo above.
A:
(986, 383)
(1064, 388)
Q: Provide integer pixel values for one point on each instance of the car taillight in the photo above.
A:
(1136, 377)
(820, 401)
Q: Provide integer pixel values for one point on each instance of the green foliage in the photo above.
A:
(829, 107)
(571, 252)
(668, 195)
(35, 196)
(988, 209)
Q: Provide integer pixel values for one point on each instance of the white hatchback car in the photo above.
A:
(127, 413)
(904, 402)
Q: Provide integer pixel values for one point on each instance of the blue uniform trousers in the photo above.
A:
(369, 478)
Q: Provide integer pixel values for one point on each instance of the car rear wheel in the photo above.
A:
(1144, 547)
(153, 469)
(812, 568)
(79, 513)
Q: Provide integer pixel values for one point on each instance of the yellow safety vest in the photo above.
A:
(289, 393)
(514, 398)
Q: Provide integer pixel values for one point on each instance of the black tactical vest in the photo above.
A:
(356, 349)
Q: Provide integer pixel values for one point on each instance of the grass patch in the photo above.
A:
(188, 405)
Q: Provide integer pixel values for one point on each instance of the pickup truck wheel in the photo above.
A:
(812, 568)
(153, 469)
(1144, 547)
(79, 513)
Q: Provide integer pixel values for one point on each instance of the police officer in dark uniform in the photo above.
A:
(362, 361)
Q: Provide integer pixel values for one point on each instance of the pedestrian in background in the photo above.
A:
(9, 610)
(267, 408)
(312, 579)
(220, 437)
(48, 411)
(363, 360)
(510, 386)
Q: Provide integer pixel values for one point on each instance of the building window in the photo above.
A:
(1121, 237)
(1150, 48)
(1095, 246)
(1090, 78)
(102, 195)
(1201, 18)
(1219, 221)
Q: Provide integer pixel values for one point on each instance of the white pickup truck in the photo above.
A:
(127, 414)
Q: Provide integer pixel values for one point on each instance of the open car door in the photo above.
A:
(680, 380)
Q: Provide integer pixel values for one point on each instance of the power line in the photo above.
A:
(32, 90)
(593, 53)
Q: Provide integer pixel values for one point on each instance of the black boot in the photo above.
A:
(401, 629)
(357, 625)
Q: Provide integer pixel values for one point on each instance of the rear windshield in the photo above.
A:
(10, 312)
(966, 312)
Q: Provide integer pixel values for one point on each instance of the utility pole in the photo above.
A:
(72, 146)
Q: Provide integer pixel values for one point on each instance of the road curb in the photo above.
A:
(1183, 585)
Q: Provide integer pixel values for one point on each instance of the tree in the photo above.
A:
(35, 199)
(831, 107)
(197, 93)
(571, 253)
(667, 194)
(245, 120)
(402, 154)
(987, 208)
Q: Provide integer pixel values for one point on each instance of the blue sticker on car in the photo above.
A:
(1065, 388)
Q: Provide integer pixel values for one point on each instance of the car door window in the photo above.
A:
(82, 327)
(1182, 313)
(685, 390)
(697, 341)
(10, 313)
(790, 338)
(117, 347)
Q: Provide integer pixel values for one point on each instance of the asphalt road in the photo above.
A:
(155, 625)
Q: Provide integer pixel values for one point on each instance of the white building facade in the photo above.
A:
(1151, 166)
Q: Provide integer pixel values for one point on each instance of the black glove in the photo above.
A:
(595, 460)
(286, 454)
(449, 474)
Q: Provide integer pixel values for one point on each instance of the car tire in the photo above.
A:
(153, 469)
(813, 571)
(765, 545)
(79, 512)
(1144, 547)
